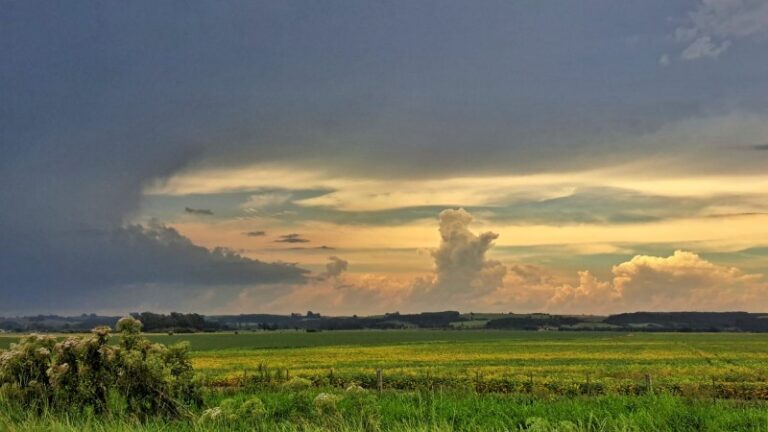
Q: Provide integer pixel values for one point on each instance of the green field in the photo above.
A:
(497, 379)
(611, 361)
(614, 361)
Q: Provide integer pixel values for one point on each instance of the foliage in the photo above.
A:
(419, 411)
(82, 373)
(297, 384)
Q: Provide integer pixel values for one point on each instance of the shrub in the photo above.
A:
(81, 372)
(297, 384)
(234, 411)
(325, 403)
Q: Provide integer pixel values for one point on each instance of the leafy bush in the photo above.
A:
(234, 411)
(297, 384)
(84, 372)
(325, 403)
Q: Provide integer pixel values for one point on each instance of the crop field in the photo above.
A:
(669, 358)
(725, 364)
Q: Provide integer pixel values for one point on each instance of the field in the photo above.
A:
(492, 380)
(611, 359)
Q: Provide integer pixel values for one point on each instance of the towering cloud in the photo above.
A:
(462, 270)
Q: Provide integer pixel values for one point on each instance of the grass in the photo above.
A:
(441, 369)
(608, 357)
(417, 411)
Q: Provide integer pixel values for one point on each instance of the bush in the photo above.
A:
(234, 411)
(82, 372)
(297, 384)
(325, 403)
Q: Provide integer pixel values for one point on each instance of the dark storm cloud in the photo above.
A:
(760, 147)
(255, 234)
(291, 238)
(208, 212)
(80, 269)
(101, 99)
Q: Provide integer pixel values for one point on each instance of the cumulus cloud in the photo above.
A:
(684, 280)
(681, 281)
(713, 25)
(465, 278)
(195, 211)
(333, 292)
(291, 238)
(462, 270)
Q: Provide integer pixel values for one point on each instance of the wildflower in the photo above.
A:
(325, 402)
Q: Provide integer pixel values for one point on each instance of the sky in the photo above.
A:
(362, 157)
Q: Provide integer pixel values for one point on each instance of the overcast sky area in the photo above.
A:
(361, 157)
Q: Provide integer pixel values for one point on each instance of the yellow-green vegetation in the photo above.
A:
(559, 361)
(467, 380)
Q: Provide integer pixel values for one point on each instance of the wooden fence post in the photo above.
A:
(379, 380)
(589, 386)
(648, 383)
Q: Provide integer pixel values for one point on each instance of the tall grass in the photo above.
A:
(427, 411)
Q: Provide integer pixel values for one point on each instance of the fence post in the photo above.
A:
(379, 380)
(648, 383)
(330, 376)
(589, 386)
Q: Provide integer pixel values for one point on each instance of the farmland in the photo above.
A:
(547, 356)
(607, 358)
(599, 380)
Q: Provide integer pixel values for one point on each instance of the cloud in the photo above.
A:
(462, 270)
(300, 248)
(681, 281)
(115, 268)
(291, 238)
(465, 278)
(760, 147)
(266, 200)
(590, 295)
(684, 280)
(335, 267)
(704, 47)
(255, 233)
(713, 25)
(198, 211)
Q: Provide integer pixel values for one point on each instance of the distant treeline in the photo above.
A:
(314, 321)
(152, 322)
(311, 321)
